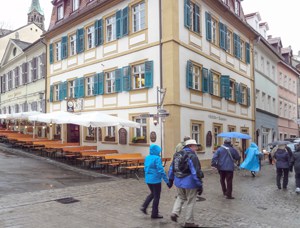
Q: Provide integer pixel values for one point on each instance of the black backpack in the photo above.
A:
(180, 164)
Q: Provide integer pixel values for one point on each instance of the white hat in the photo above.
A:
(191, 142)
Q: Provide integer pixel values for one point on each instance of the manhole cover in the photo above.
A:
(67, 200)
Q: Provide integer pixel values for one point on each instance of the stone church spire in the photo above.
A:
(36, 14)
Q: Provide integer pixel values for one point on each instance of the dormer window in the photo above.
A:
(75, 5)
(60, 12)
(237, 7)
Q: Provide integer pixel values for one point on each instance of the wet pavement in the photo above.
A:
(101, 201)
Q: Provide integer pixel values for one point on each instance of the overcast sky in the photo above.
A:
(281, 18)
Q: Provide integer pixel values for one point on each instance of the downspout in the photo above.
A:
(46, 70)
(160, 78)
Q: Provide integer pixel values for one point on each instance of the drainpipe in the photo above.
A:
(160, 77)
(45, 105)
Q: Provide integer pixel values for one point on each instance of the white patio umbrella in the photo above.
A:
(51, 117)
(4, 116)
(99, 119)
(23, 115)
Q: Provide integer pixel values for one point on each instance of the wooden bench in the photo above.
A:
(134, 167)
(90, 160)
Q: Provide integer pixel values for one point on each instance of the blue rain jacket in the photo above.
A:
(154, 171)
(252, 158)
(194, 179)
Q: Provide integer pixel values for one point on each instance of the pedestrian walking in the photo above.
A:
(252, 161)
(295, 162)
(224, 160)
(282, 160)
(154, 173)
(186, 172)
(239, 150)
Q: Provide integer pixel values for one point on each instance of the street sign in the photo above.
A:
(146, 115)
(163, 114)
(162, 111)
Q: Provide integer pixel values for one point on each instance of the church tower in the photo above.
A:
(36, 14)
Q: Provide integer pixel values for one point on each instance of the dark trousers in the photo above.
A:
(226, 182)
(285, 173)
(297, 177)
(155, 196)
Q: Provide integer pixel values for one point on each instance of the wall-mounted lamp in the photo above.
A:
(25, 126)
(41, 95)
(44, 127)
(50, 124)
(155, 119)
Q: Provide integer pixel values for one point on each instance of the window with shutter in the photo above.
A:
(72, 44)
(89, 86)
(138, 16)
(125, 23)
(110, 82)
(90, 37)
(98, 32)
(64, 47)
(225, 86)
(126, 78)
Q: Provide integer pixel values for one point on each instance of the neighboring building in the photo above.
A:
(28, 33)
(116, 57)
(265, 72)
(23, 71)
(36, 14)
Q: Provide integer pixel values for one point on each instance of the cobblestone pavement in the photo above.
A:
(116, 203)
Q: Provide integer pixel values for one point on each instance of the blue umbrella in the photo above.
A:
(234, 134)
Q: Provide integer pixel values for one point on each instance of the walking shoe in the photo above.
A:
(144, 210)
(157, 216)
(187, 224)
(230, 197)
(297, 190)
(174, 217)
(253, 174)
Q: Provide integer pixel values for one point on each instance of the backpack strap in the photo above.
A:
(228, 151)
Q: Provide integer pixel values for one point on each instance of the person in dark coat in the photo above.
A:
(282, 159)
(225, 165)
(295, 162)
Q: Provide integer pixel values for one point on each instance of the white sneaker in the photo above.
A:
(297, 190)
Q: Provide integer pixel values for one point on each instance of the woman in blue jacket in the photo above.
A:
(154, 173)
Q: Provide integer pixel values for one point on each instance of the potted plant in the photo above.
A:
(109, 138)
(140, 139)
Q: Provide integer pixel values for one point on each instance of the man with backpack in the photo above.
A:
(224, 160)
(186, 172)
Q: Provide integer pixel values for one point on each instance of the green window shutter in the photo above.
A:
(189, 75)
(239, 47)
(64, 47)
(197, 19)
(76, 90)
(222, 36)
(101, 83)
(51, 93)
(98, 32)
(237, 92)
(210, 83)
(149, 74)
(119, 24)
(125, 21)
(247, 53)
(65, 89)
(80, 40)
(187, 14)
(126, 78)
(208, 26)
(225, 86)
(51, 53)
(96, 82)
(118, 75)
(248, 97)
(61, 91)
(235, 45)
(81, 87)
(204, 80)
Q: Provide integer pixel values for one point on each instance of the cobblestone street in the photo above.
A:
(115, 202)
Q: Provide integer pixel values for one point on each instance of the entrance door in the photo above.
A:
(73, 133)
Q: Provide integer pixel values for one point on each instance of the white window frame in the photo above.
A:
(90, 37)
(72, 45)
(197, 73)
(89, 86)
(110, 82)
(71, 89)
(138, 16)
(142, 131)
(56, 92)
(58, 51)
(111, 28)
(138, 76)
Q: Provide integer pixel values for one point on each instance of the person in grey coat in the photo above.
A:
(295, 162)
(224, 159)
(282, 160)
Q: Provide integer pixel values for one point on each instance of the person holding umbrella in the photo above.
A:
(251, 162)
